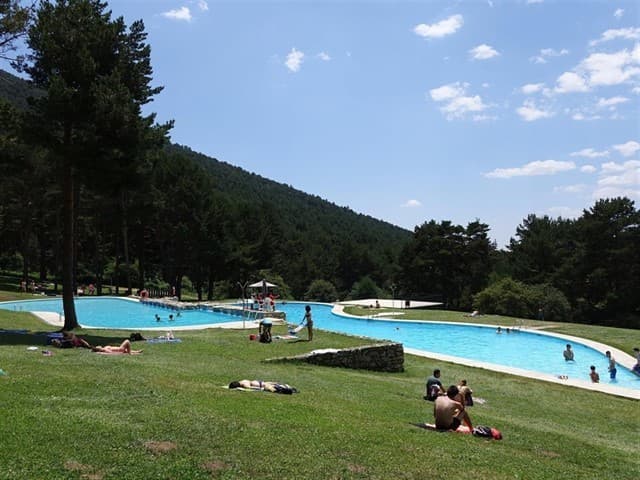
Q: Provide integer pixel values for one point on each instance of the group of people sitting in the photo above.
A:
(449, 405)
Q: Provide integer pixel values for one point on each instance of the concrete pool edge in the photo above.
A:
(622, 358)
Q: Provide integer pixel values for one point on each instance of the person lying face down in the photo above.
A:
(274, 387)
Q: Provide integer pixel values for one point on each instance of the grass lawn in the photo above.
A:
(165, 415)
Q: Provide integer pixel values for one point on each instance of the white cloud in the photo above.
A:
(458, 107)
(611, 102)
(588, 169)
(483, 118)
(182, 13)
(582, 114)
(539, 167)
(628, 176)
(294, 60)
(570, 82)
(577, 188)
(618, 13)
(546, 53)
(529, 112)
(565, 212)
(483, 52)
(619, 179)
(612, 68)
(531, 2)
(457, 103)
(613, 34)
(441, 29)
(530, 88)
(614, 167)
(203, 5)
(628, 149)
(590, 153)
(324, 56)
(411, 204)
(447, 92)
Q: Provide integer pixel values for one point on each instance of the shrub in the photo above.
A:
(514, 298)
(321, 291)
(364, 288)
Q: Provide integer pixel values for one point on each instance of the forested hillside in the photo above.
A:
(261, 227)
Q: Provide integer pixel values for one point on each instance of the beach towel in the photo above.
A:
(163, 340)
(118, 353)
(285, 337)
(297, 329)
(14, 331)
(431, 426)
(278, 388)
(479, 431)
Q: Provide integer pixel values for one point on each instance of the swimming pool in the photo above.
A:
(524, 350)
(122, 313)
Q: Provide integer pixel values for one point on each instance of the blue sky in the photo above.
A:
(409, 111)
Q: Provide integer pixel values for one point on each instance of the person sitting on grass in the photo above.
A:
(464, 395)
(448, 413)
(125, 347)
(434, 386)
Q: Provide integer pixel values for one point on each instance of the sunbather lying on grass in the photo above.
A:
(261, 385)
(125, 347)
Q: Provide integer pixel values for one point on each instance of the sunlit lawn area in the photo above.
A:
(165, 414)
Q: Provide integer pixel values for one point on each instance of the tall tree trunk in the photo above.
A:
(210, 284)
(42, 260)
(125, 238)
(70, 319)
(117, 273)
(141, 257)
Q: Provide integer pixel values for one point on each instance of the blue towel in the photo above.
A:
(164, 340)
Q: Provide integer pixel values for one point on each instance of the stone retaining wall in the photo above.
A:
(388, 357)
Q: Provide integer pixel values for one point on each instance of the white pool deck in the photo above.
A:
(621, 357)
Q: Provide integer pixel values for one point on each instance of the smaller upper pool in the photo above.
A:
(122, 313)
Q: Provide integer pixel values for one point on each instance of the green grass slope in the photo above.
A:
(165, 415)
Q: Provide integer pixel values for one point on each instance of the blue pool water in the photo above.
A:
(525, 350)
(110, 312)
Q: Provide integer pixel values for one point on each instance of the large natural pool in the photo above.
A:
(524, 350)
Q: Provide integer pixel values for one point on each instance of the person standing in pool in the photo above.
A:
(308, 322)
(568, 353)
(612, 365)
(595, 378)
(636, 367)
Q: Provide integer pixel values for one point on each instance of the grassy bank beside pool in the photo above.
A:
(165, 414)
